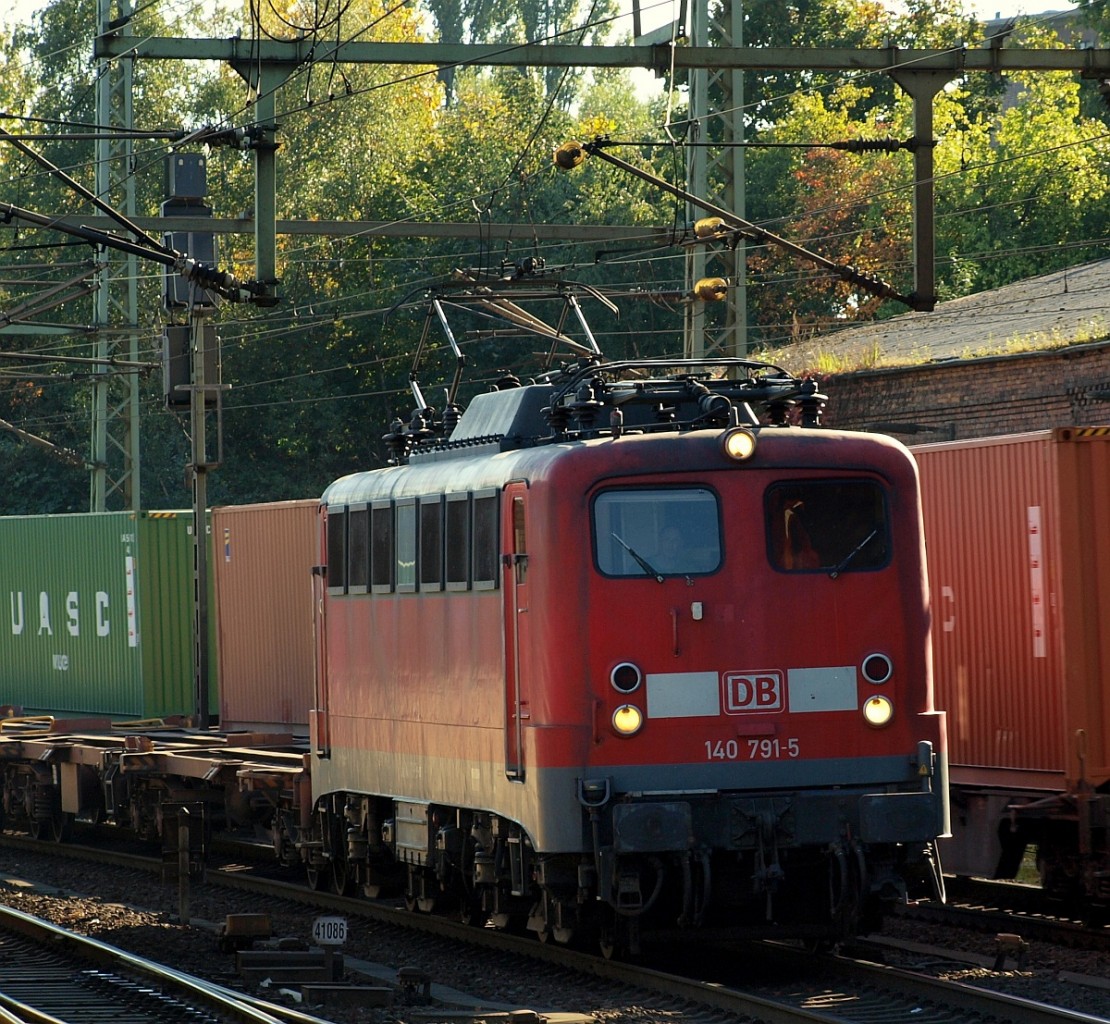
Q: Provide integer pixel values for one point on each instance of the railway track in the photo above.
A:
(48, 973)
(994, 907)
(721, 981)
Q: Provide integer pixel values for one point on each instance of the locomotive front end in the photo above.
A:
(765, 754)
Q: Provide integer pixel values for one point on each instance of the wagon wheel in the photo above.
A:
(59, 827)
(55, 828)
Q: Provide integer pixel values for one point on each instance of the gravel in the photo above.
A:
(134, 911)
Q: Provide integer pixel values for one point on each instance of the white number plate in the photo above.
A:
(330, 931)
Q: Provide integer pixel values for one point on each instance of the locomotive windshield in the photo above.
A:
(830, 526)
(654, 531)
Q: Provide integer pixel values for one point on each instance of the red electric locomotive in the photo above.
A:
(623, 650)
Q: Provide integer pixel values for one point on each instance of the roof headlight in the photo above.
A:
(878, 711)
(627, 720)
(738, 444)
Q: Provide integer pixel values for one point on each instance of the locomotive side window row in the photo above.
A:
(649, 531)
(438, 542)
(830, 526)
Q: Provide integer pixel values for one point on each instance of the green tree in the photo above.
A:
(524, 21)
(852, 208)
(1026, 192)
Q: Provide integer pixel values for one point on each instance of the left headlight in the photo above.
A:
(627, 720)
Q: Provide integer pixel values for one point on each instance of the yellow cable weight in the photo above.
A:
(711, 289)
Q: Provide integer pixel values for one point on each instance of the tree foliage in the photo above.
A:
(1026, 192)
(314, 382)
(524, 21)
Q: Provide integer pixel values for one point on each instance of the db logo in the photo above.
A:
(748, 692)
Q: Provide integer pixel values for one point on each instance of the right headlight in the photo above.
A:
(878, 711)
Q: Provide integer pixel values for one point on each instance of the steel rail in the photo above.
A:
(221, 1002)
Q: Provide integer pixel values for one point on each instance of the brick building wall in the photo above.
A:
(964, 398)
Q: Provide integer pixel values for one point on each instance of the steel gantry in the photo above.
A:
(114, 480)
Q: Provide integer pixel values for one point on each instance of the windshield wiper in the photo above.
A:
(836, 570)
(642, 562)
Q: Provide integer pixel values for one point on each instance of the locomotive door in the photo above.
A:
(318, 714)
(514, 569)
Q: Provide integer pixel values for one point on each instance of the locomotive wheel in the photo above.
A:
(618, 937)
(562, 936)
(507, 922)
(315, 876)
(59, 827)
(424, 904)
(469, 910)
(342, 878)
(1096, 915)
(541, 921)
(607, 931)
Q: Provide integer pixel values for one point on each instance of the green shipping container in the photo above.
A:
(100, 615)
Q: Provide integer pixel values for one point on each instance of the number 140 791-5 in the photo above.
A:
(765, 749)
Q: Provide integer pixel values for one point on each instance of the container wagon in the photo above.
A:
(1019, 569)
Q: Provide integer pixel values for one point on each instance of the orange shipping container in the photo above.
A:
(263, 560)
(1017, 532)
